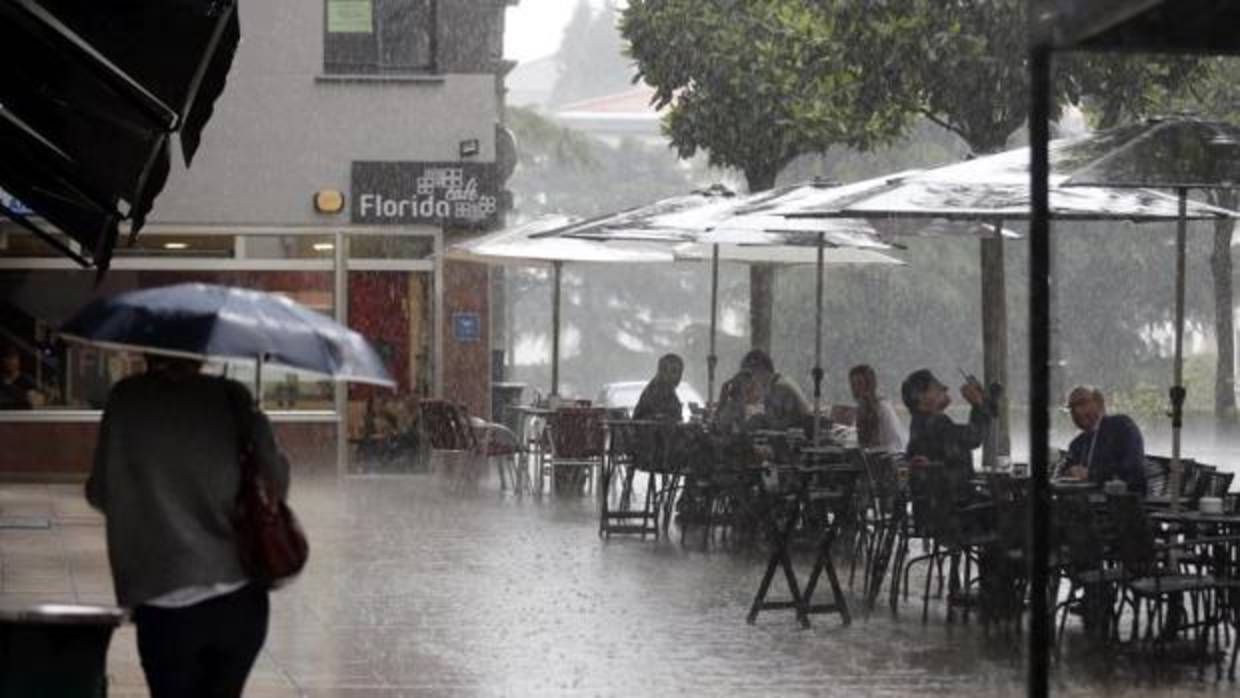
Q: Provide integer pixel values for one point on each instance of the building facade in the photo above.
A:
(354, 140)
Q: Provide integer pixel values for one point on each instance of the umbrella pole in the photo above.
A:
(258, 382)
(818, 345)
(1178, 392)
(712, 359)
(555, 327)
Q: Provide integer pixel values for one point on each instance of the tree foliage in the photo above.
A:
(756, 83)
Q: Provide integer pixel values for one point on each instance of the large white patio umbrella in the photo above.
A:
(1181, 153)
(716, 248)
(700, 224)
(991, 189)
(520, 246)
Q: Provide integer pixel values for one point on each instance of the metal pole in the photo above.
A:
(818, 344)
(555, 327)
(1177, 389)
(1039, 368)
(712, 359)
(258, 382)
(340, 392)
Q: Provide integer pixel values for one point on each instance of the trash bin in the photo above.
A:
(504, 394)
(56, 650)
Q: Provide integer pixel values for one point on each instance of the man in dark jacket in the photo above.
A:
(1109, 446)
(933, 436)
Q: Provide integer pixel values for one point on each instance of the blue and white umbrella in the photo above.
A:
(207, 321)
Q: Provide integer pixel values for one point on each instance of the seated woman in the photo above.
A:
(877, 424)
(658, 400)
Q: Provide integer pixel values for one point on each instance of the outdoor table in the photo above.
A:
(791, 504)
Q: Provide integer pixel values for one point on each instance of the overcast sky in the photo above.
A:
(535, 27)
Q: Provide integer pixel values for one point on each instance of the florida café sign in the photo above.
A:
(440, 193)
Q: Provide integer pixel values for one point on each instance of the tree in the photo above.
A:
(756, 83)
(591, 56)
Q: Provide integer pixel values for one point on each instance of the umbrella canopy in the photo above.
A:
(218, 322)
(991, 188)
(778, 254)
(716, 211)
(1181, 153)
(1165, 152)
(526, 244)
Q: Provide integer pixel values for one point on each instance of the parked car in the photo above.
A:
(625, 394)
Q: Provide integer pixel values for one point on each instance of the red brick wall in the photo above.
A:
(467, 364)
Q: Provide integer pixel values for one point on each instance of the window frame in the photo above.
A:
(377, 69)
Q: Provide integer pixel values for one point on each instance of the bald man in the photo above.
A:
(1108, 447)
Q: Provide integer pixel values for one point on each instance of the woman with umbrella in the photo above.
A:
(167, 469)
(166, 476)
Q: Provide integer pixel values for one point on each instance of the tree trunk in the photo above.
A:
(761, 276)
(1224, 315)
(994, 343)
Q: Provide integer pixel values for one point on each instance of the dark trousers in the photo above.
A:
(203, 650)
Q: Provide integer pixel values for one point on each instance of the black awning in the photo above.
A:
(1153, 26)
(103, 85)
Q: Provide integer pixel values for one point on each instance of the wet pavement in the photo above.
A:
(418, 586)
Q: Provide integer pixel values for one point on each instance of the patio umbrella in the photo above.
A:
(706, 218)
(820, 255)
(993, 189)
(1180, 153)
(205, 321)
(522, 245)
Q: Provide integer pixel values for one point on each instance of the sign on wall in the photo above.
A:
(467, 327)
(443, 193)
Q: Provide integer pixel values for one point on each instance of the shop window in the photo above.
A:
(379, 36)
(54, 374)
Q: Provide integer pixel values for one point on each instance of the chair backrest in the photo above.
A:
(1077, 534)
(933, 490)
(576, 432)
(1133, 541)
(1210, 482)
(1156, 471)
(446, 425)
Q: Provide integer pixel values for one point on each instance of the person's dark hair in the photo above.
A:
(668, 360)
(758, 360)
(9, 349)
(914, 385)
(865, 370)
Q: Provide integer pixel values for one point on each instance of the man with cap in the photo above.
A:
(1109, 446)
(933, 436)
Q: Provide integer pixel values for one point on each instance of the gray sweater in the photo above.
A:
(166, 476)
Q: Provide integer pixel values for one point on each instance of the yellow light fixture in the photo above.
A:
(323, 246)
(176, 245)
(328, 201)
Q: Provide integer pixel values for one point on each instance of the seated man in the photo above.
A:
(933, 436)
(658, 400)
(1108, 447)
(783, 405)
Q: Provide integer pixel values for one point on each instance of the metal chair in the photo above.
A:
(574, 444)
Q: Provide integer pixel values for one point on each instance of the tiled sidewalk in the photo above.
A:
(419, 588)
